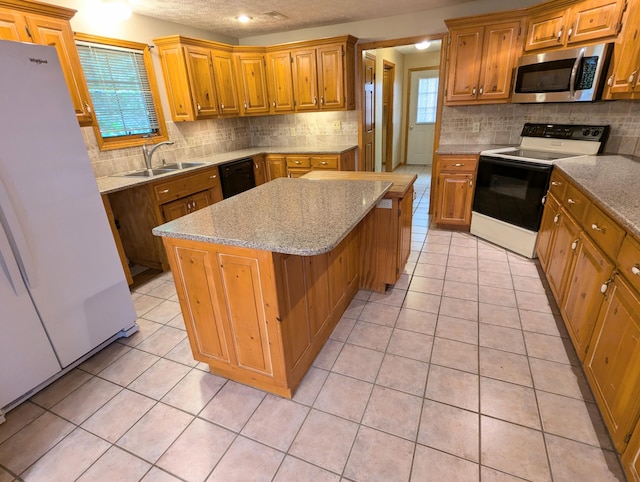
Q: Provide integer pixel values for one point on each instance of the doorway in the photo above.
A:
(422, 103)
(388, 82)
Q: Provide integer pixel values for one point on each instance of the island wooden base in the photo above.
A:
(258, 317)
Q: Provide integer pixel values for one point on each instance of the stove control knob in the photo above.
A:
(585, 132)
(595, 132)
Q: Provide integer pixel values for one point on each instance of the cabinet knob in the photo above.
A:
(245, 105)
(213, 176)
(481, 90)
(636, 270)
(555, 183)
(274, 103)
(559, 36)
(458, 164)
(297, 162)
(610, 80)
(88, 107)
(556, 218)
(164, 191)
(221, 106)
(473, 91)
(198, 106)
(570, 32)
(324, 163)
(605, 285)
(322, 99)
(595, 227)
(570, 201)
(574, 245)
(315, 100)
(632, 76)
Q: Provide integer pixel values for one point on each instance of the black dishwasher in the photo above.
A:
(236, 177)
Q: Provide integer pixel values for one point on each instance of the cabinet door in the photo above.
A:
(252, 84)
(455, 197)
(57, 33)
(175, 209)
(280, 81)
(498, 58)
(464, 64)
(547, 230)
(583, 296)
(259, 170)
(201, 200)
(201, 81)
(330, 76)
(546, 30)
(626, 56)
(560, 253)
(177, 82)
(276, 167)
(226, 84)
(631, 457)
(13, 26)
(594, 19)
(305, 79)
(613, 361)
(297, 171)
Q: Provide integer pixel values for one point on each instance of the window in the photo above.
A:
(427, 100)
(123, 91)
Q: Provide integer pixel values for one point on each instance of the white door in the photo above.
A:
(422, 116)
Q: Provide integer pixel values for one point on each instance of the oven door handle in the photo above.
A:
(574, 72)
(531, 166)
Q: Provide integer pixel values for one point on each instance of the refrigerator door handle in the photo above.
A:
(15, 236)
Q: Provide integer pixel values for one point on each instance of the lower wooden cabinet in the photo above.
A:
(561, 254)
(260, 169)
(631, 457)
(276, 166)
(181, 207)
(455, 178)
(547, 230)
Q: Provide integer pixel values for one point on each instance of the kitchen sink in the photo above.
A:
(146, 172)
(183, 165)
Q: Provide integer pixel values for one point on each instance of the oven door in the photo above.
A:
(511, 191)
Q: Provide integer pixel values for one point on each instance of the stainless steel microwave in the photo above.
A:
(568, 75)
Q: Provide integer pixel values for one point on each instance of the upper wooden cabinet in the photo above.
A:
(280, 81)
(624, 75)
(549, 26)
(201, 81)
(481, 60)
(226, 84)
(252, 83)
(44, 24)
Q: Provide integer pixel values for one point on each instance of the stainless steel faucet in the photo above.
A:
(148, 152)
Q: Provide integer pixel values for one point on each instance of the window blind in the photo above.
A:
(120, 91)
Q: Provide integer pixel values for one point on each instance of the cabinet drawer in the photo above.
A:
(459, 164)
(298, 161)
(575, 202)
(557, 185)
(324, 162)
(604, 231)
(185, 185)
(629, 260)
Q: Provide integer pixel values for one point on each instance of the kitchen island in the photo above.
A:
(264, 277)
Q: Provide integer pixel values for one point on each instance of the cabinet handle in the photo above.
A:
(221, 106)
(595, 227)
(198, 106)
(88, 107)
(473, 91)
(245, 105)
(635, 270)
(559, 37)
(556, 183)
(470, 183)
(274, 103)
(315, 100)
(610, 80)
(255, 166)
(481, 90)
(556, 218)
(605, 285)
(632, 76)
(570, 32)
(164, 191)
(324, 163)
(322, 99)
(297, 162)
(458, 164)
(574, 245)
(570, 201)
(213, 176)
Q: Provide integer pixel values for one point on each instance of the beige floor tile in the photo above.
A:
(84, 401)
(328, 354)
(527, 283)
(343, 329)
(393, 297)
(502, 338)
(572, 460)
(464, 309)
(497, 280)
(155, 432)
(463, 262)
(488, 474)
(545, 323)
(295, 470)
(344, 396)
(403, 374)
(146, 328)
(508, 367)
(436, 259)
(462, 251)
(116, 464)
(162, 341)
(164, 312)
(509, 402)
(354, 309)
(118, 415)
(247, 460)
(164, 290)
(233, 405)
(573, 419)
(430, 270)
(533, 301)
(104, 358)
(68, 459)
(145, 303)
(420, 321)
(325, 440)
(370, 335)
(439, 248)
(560, 379)
(491, 253)
(185, 461)
(18, 418)
(380, 313)
(457, 329)
(29, 444)
(410, 344)
(377, 456)
(358, 362)
(431, 465)
(157, 475)
(525, 269)
(450, 430)
(128, 367)
(454, 387)
(310, 386)
(465, 291)
(393, 412)
(181, 353)
(363, 295)
(405, 279)
(552, 348)
(455, 354)
(194, 391)
(177, 322)
(513, 449)
(497, 296)
(276, 422)
(59, 389)
(463, 275)
(467, 241)
(149, 285)
(161, 377)
(431, 286)
(493, 266)
(422, 302)
(499, 315)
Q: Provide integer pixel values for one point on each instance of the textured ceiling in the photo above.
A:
(275, 16)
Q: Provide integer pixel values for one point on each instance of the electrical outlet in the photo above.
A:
(475, 127)
(337, 125)
(293, 131)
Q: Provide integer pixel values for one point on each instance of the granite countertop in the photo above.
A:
(291, 216)
(612, 181)
(468, 148)
(108, 184)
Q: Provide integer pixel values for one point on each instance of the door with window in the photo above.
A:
(423, 96)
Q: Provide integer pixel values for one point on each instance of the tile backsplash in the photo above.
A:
(206, 137)
(502, 123)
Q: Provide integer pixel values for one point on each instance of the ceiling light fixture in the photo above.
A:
(423, 45)
(243, 18)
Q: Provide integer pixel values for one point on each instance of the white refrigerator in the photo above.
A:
(63, 293)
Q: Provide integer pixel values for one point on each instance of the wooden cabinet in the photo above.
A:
(280, 81)
(49, 25)
(252, 83)
(305, 79)
(624, 75)
(331, 79)
(583, 22)
(480, 61)
(631, 457)
(612, 364)
(300, 164)
(276, 166)
(561, 254)
(181, 207)
(455, 179)
(201, 81)
(547, 230)
(260, 169)
(226, 84)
